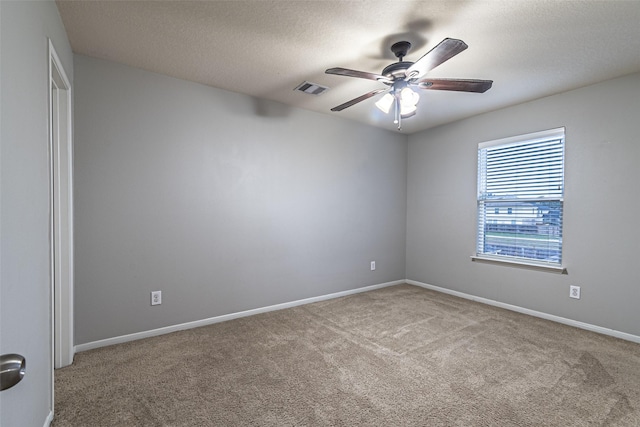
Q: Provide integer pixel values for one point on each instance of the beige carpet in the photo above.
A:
(399, 356)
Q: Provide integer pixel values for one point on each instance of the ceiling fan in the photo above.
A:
(400, 77)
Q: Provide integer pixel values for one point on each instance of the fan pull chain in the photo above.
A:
(398, 117)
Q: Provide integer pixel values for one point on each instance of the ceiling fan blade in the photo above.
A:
(358, 99)
(360, 74)
(445, 50)
(461, 85)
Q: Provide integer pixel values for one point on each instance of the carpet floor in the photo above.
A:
(397, 356)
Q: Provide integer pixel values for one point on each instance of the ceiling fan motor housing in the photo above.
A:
(397, 70)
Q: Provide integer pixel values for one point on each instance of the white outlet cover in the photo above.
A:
(574, 292)
(373, 265)
(156, 297)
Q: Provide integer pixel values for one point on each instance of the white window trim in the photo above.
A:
(522, 263)
(531, 137)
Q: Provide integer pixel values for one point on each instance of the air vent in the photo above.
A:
(311, 88)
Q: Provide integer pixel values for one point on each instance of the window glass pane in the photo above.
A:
(534, 234)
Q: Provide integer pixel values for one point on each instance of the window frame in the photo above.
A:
(481, 200)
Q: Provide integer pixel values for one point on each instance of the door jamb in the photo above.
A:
(61, 330)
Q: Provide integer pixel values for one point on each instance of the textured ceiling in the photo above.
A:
(529, 48)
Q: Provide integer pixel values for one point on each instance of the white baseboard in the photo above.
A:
(231, 316)
(224, 318)
(563, 320)
(48, 420)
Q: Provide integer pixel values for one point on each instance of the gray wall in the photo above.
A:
(227, 203)
(601, 228)
(223, 202)
(24, 209)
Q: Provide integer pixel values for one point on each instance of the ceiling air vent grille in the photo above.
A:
(311, 88)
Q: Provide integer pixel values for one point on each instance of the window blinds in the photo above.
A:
(520, 197)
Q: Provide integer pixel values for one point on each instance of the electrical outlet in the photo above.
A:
(373, 265)
(156, 297)
(574, 292)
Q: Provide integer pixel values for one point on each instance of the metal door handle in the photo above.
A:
(12, 370)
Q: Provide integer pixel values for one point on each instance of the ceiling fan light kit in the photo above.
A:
(384, 104)
(403, 76)
(404, 101)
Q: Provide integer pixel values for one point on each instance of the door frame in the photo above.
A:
(60, 135)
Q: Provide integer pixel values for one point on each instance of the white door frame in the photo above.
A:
(61, 211)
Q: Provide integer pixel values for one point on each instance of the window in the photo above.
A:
(523, 176)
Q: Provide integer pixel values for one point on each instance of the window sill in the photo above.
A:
(521, 264)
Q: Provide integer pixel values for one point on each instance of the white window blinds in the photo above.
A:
(520, 198)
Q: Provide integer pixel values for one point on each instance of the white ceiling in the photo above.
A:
(529, 48)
